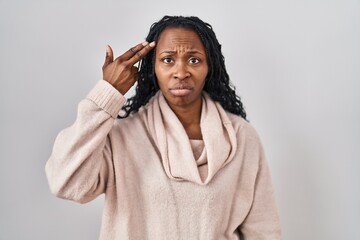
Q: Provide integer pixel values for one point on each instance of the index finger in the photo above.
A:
(141, 53)
(132, 51)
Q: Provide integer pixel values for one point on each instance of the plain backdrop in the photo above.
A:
(296, 65)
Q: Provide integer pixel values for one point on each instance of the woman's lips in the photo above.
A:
(180, 92)
(181, 89)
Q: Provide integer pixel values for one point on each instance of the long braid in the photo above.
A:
(217, 83)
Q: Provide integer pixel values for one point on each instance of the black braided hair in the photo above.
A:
(217, 83)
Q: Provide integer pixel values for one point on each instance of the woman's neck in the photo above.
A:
(190, 119)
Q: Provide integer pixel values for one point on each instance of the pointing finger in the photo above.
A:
(132, 51)
(138, 55)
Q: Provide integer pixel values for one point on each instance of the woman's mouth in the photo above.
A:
(181, 89)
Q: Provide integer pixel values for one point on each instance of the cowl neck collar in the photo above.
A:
(174, 145)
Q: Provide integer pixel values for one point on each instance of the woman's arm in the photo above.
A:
(80, 166)
(81, 161)
(262, 222)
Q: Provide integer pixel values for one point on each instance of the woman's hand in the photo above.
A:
(121, 72)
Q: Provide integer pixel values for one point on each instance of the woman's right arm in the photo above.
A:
(80, 166)
(81, 161)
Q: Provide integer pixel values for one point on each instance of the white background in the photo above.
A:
(296, 65)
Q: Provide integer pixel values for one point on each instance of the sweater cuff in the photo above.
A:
(107, 97)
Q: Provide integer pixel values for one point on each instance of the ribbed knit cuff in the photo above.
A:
(107, 98)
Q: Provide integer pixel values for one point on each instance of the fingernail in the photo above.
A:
(152, 44)
(145, 43)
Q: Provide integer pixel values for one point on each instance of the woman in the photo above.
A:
(181, 162)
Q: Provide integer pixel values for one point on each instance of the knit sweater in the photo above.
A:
(154, 185)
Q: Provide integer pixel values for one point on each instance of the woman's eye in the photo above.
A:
(167, 60)
(194, 60)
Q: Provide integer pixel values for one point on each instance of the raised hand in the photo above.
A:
(121, 72)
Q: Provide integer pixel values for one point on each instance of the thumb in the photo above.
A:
(109, 58)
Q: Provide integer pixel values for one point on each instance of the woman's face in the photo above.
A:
(181, 66)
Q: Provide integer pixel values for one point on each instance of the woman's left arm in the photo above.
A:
(262, 221)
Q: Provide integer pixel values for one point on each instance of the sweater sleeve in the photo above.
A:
(262, 221)
(80, 165)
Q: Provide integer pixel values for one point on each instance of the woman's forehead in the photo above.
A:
(175, 37)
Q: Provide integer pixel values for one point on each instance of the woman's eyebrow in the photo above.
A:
(188, 52)
(195, 52)
(168, 52)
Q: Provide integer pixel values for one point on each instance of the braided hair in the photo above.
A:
(217, 83)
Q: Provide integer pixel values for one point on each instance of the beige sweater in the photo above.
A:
(154, 186)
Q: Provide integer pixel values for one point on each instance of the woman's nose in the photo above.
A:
(181, 71)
